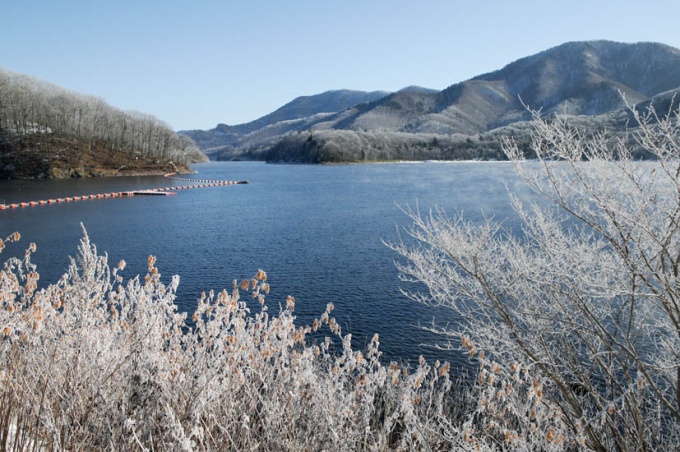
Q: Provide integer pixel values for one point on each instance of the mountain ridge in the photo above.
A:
(303, 106)
(576, 78)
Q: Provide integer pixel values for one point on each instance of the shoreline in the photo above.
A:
(371, 162)
(72, 173)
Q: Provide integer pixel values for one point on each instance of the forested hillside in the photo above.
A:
(347, 146)
(49, 132)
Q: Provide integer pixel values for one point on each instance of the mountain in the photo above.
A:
(464, 120)
(301, 107)
(577, 78)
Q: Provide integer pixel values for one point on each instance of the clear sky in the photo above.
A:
(198, 63)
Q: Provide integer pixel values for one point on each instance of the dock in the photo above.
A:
(148, 193)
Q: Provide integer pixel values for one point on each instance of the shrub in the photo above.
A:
(576, 320)
(97, 362)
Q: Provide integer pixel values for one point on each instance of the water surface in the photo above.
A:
(317, 231)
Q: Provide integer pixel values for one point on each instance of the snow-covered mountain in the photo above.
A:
(577, 78)
(300, 107)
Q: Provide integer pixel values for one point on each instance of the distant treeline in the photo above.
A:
(347, 146)
(42, 119)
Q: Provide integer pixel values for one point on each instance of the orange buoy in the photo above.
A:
(197, 183)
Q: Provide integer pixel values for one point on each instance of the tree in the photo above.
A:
(582, 309)
(32, 110)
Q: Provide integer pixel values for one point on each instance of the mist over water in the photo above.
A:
(317, 231)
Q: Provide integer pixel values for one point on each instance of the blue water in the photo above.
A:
(317, 231)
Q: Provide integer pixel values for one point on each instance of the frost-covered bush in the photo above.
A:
(98, 362)
(575, 320)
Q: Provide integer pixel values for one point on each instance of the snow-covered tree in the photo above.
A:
(575, 321)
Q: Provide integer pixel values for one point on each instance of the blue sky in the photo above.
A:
(197, 63)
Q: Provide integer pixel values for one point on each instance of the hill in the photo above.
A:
(49, 132)
(300, 107)
(468, 118)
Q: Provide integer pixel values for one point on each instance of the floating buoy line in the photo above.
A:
(162, 191)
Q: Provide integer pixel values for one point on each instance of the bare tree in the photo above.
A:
(582, 308)
(30, 107)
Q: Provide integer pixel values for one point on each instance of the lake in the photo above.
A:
(318, 232)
